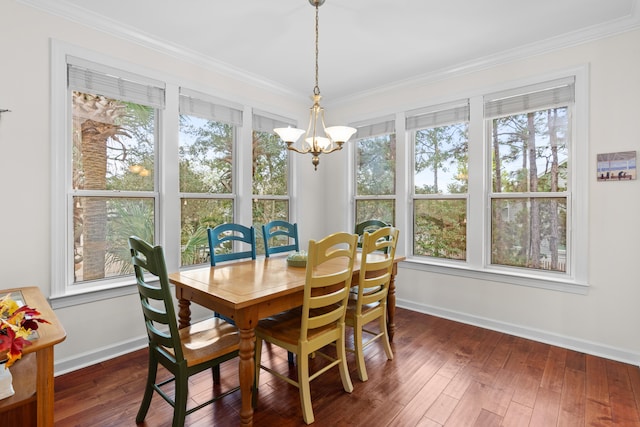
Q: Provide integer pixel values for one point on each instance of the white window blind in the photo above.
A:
(265, 122)
(545, 95)
(438, 115)
(381, 127)
(207, 107)
(84, 76)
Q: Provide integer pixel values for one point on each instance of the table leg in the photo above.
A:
(184, 313)
(44, 386)
(391, 304)
(246, 321)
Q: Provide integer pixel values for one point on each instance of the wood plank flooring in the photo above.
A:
(444, 374)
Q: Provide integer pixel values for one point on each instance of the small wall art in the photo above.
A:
(620, 166)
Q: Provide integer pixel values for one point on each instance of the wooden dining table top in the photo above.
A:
(241, 284)
(248, 291)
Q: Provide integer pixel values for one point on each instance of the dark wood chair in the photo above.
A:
(368, 226)
(183, 352)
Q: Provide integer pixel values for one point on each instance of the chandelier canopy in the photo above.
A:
(332, 139)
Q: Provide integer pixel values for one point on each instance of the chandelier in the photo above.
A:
(334, 136)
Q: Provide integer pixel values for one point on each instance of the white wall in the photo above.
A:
(104, 328)
(605, 320)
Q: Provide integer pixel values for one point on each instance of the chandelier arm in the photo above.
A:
(297, 150)
(333, 148)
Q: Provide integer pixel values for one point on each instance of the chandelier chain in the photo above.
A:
(316, 89)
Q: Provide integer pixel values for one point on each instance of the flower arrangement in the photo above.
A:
(16, 324)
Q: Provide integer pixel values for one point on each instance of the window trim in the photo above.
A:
(167, 189)
(477, 267)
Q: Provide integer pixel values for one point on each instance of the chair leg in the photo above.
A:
(385, 336)
(305, 388)
(344, 368)
(148, 390)
(359, 351)
(290, 358)
(180, 401)
(215, 370)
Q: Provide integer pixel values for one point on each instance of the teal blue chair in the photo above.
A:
(279, 231)
(222, 239)
(183, 352)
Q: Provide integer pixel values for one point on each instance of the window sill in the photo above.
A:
(461, 269)
(85, 295)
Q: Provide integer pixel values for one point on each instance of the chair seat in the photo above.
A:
(285, 326)
(207, 340)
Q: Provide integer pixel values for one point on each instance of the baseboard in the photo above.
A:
(546, 337)
(63, 366)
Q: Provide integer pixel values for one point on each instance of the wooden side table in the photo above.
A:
(33, 373)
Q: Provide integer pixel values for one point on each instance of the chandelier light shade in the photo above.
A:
(318, 139)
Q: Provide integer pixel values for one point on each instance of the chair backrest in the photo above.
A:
(375, 269)
(156, 300)
(231, 233)
(328, 280)
(369, 225)
(273, 230)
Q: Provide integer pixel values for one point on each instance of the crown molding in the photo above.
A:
(86, 18)
(609, 29)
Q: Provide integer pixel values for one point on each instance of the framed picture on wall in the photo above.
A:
(620, 166)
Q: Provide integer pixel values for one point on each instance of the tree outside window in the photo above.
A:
(375, 173)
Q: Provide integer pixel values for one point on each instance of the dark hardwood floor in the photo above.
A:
(444, 374)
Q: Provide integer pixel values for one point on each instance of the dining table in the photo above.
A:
(247, 291)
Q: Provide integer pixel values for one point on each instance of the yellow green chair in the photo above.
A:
(370, 302)
(320, 320)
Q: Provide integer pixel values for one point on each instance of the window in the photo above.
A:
(270, 171)
(133, 154)
(113, 178)
(440, 180)
(529, 196)
(208, 132)
(498, 185)
(375, 172)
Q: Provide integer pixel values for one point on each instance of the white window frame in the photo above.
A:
(265, 122)
(380, 126)
(221, 111)
(477, 265)
(168, 200)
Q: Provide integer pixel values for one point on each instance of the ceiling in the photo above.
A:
(364, 44)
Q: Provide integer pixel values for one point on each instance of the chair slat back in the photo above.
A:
(156, 300)
(369, 226)
(328, 280)
(375, 268)
(275, 229)
(223, 235)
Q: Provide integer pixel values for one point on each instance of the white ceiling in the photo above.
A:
(364, 44)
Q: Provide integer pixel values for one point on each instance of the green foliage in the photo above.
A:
(376, 165)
